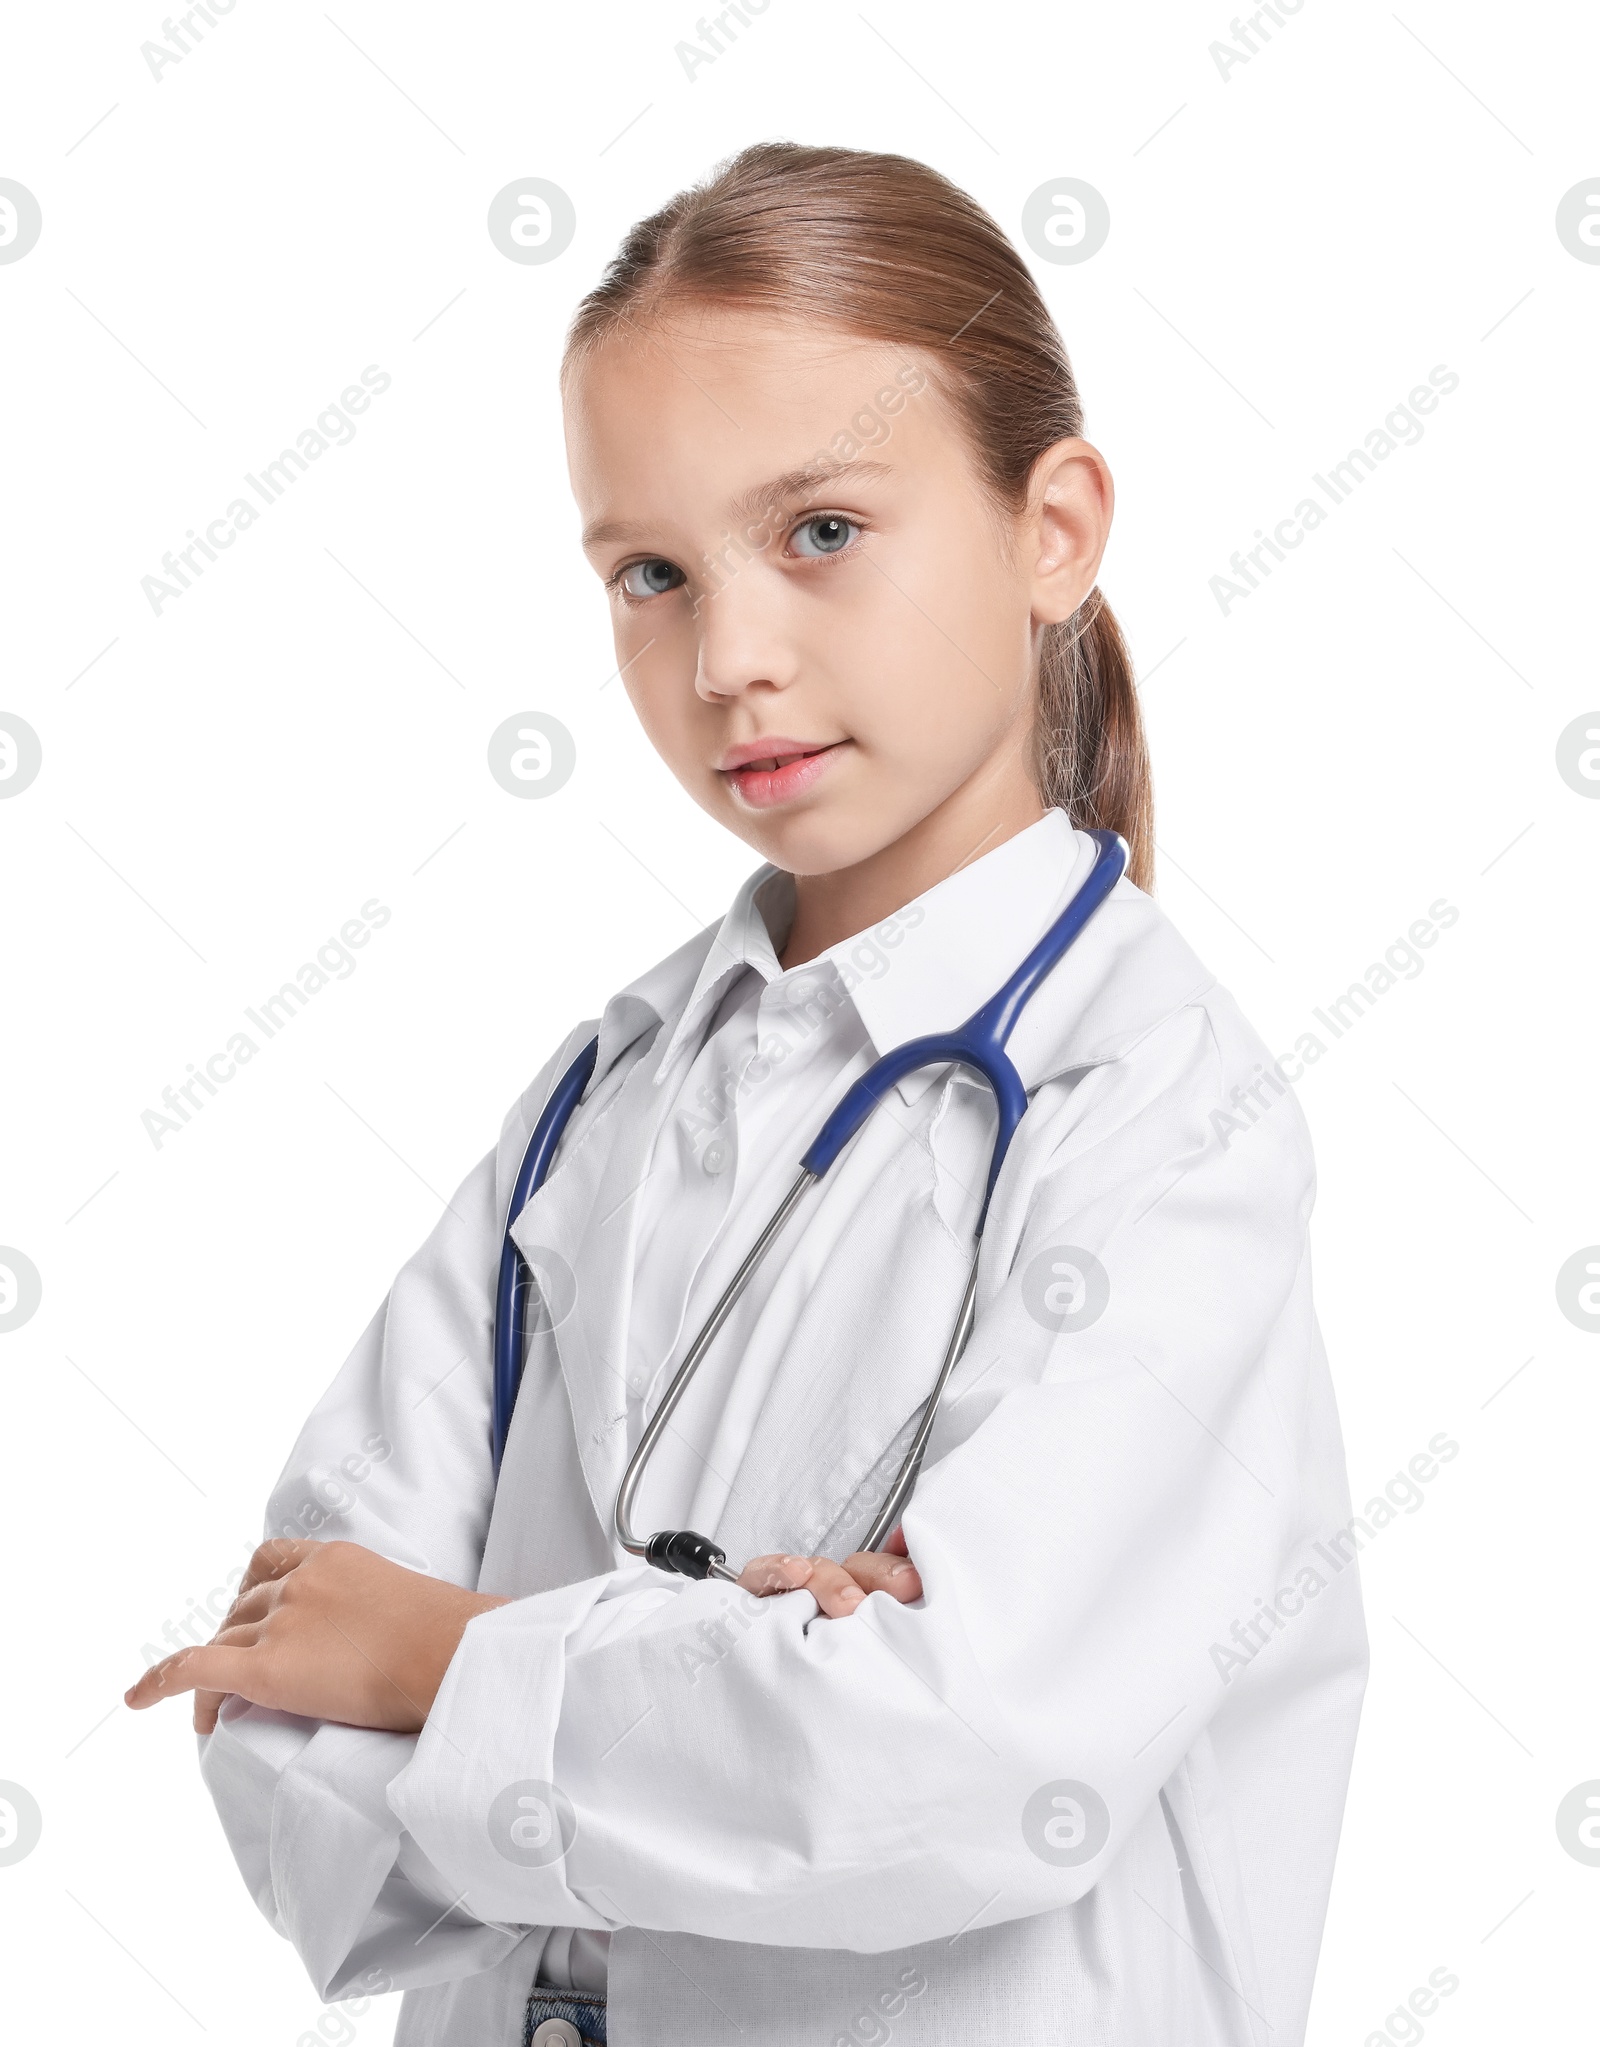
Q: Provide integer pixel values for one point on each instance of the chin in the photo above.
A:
(810, 841)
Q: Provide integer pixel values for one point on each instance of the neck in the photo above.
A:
(832, 907)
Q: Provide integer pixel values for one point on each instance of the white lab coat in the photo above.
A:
(798, 1830)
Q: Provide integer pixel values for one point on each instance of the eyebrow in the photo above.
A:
(753, 505)
(802, 482)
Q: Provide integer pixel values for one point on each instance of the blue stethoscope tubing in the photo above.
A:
(979, 1043)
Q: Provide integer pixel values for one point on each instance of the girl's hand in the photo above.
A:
(329, 1630)
(838, 1588)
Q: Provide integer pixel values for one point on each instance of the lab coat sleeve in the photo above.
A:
(1108, 1505)
(395, 1457)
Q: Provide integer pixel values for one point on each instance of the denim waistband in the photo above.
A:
(578, 2007)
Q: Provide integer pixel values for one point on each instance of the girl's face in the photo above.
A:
(825, 624)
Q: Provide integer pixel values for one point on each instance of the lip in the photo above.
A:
(801, 763)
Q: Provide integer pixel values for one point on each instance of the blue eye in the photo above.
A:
(827, 533)
(651, 578)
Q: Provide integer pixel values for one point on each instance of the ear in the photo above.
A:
(1070, 501)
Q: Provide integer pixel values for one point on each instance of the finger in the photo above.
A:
(896, 1545)
(766, 1575)
(208, 1704)
(280, 1553)
(216, 1667)
(242, 1637)
(252, 1605)
(833, 1588)
(206, 1707)
(874, 1571)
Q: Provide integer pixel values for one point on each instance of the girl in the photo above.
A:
(1067, 1760)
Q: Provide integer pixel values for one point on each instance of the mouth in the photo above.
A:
(766, 772)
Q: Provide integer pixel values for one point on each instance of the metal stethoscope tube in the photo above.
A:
(676, 1549)
(695, 1555)
(978, 1044)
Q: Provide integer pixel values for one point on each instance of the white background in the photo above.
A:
(226, 783)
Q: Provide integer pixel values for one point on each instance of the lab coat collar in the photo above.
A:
(741, 941)
(681, 991)
(931, 964)
(928, 966)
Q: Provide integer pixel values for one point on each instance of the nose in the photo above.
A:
(743, 643)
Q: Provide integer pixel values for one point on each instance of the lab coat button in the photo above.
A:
(557, 2033)
(715, 1156)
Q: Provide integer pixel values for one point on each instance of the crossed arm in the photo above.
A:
(334, 1631)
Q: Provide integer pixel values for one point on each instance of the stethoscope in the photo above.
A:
(979, 1043)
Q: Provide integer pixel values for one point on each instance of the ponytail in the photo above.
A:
(1089, 749)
